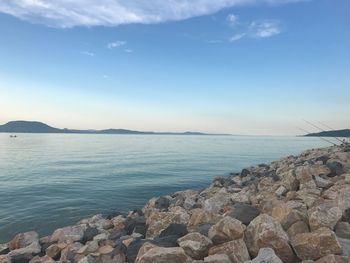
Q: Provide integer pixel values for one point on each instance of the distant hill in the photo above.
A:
(39, 127)
(336, 133)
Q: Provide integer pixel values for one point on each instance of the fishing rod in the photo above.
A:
(317, 127)
(322, 138)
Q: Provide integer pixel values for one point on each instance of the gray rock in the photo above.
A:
(342, 229)
(244, 213)
(266, 255)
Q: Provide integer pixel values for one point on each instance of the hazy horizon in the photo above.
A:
(244, 67)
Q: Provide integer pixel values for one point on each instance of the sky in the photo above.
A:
(252, 67)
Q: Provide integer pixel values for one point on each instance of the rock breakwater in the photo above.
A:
(296, 209)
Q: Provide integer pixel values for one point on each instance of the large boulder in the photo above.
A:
(23, 239)
(154, 254)
(317, 244)
(266, 255)
(69, 234)
(244, 212)
(195, 245)
(25, 254)
(236, 250)
(265, 231)
(216, 203)
(288, 214)
(44, 259)
(324, 215)
(225, 230)
(200, 216)
(158, 221)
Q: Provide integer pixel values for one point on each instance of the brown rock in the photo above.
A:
(162, 255)
(200, 216)
(158, 221)
(286, 215)
(317, 244)
(298, 228)
(54, 251)
(5, 259)
(324, 215)
(236, 250)
(225, 230)
(44, 259)
(23, 239)
(69, 233)
(265, 231)
(195, 245)
(217, 258)
(332, 259)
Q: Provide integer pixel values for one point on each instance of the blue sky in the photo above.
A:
(233, 66)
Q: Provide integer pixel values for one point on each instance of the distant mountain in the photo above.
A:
(336, 133)
(39, 127)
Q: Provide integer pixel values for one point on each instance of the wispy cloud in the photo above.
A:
(128, 50)
(237, 37)
(64, 13)
(258, 29)
(265, 29)
(88, 53)
(116, 44)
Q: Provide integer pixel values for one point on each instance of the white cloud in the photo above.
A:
(265, 29)
(70, 13)
(237, 37)
(232, 19)
(128, 50)
(87, 53)
(258, 29)
(116, 44)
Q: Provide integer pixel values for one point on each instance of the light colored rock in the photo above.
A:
(68, 253)
(309, 196)
(54, 251)
(5, 259)
(287, 215)
(322, 183)
(158, 221)
(324, 215)
(4, 249)
(163, 255)
(340, 194)
(225, 230)
(217, 202)
(289, 181)
(44, 259)
(118, 222)
(281, 190)
(265, 231)
(236, 250)
(69, 233)
(317, 244)
(217, 258)
(200, 216)
(23, 239)
(97, 221)
(266, 255)
(195, 245)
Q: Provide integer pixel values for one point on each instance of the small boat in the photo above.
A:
(13, 136)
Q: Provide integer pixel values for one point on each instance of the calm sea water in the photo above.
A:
(52, 180)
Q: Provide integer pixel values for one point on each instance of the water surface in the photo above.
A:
(52, 180)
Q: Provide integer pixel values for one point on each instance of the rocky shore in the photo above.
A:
(296, 209)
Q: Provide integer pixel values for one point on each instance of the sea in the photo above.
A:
(49, 181)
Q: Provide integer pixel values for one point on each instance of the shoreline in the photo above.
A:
(287, 205)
